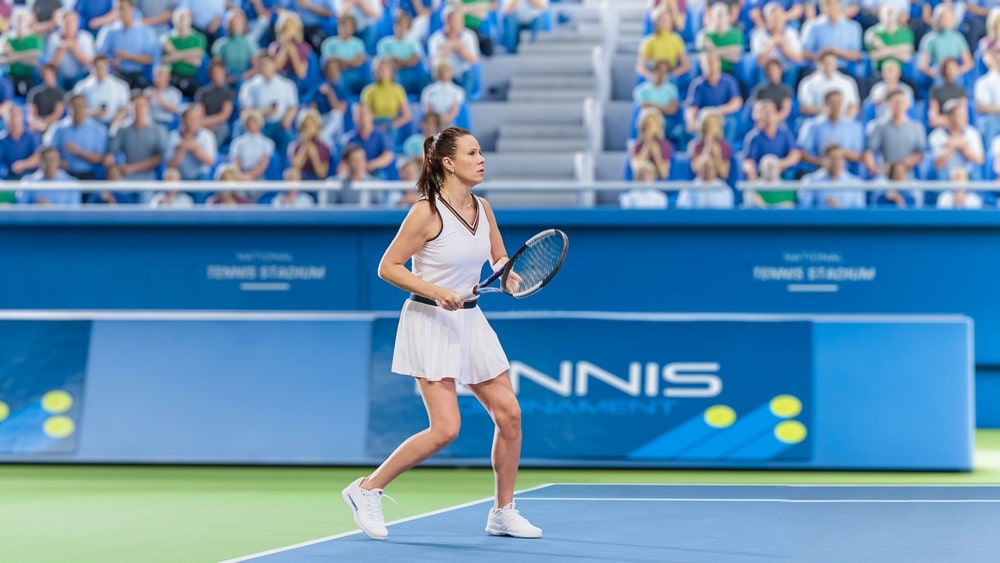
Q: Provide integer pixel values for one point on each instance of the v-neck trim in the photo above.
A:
(472, 227)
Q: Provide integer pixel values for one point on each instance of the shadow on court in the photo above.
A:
(698, 523)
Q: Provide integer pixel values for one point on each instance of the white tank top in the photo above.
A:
(454, 259)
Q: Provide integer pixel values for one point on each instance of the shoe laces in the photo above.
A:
(373, 502)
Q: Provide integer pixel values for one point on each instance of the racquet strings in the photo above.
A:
(537, 263)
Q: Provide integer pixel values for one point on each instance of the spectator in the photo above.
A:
(956, 144)
(307, 154)
(720, 37)
(229, 175)
(107, 96)
(430, 125)
(171, 199)
(992, 40)
(646, 196)
(714, 91)
(770, 175)
(191, 149)
(895, 138)
(70, 49)
(259, 15)
(5, 13)
(45, 101)
(834, 34)
(776, 40)
(236, 50)
(420, 11)
(831, 128)
(376, 144)
(207, 16)
(960, 198)
(290, 50)
(944, 43)
(406, 54)
(774, 89)
(157, 14)
(944, 92)
(987, 97)
(18, 148)
(891, 80)
(132, 48)
(791, 11)
(658, 93)
(704, 198)
(44, 12)
(275, 97)
(474, 12)
(662, 45)
(330, 101)
(832, 172)
(386, 98)
(112, 175)
(813, 89)
(365, 14)
(164, 98)
(459, 46)
(217, 98)
(652, 147)
(889, 41)
(292, 199)
(676, 9)
(313, 14)
(770, 137)
(354, 167)
(20, 51)
(49, 172)
(898, 173)
(711, 144)
(80, 140)
(518, 16)
(350, 52)
(251, 152)
(140, 145)
(184, 50)
(443, 97)
(409, 172)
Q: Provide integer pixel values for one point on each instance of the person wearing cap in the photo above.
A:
(956, 144)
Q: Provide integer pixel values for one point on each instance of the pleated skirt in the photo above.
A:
(434, 344)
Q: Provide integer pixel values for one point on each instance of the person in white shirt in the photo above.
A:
(172, 199)
(191, 148)
(776, 40)
(70, 49)
(276, 97)
(960, 198)
(251, 152)
(813, 88)
(107, 95)
(891, 80)
(647, 196)
(458, 44)
(443, 97)
(957, 144)
(292, 199)
(164, 99)
(987, 98)
(704, 198)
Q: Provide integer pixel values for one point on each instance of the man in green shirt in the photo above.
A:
(21, 49)
(888, 40)
(184, 50)
(475, 12)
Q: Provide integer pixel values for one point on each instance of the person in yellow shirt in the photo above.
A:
(662, 45)
(386, 98)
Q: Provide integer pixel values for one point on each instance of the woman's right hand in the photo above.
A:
(448, 299)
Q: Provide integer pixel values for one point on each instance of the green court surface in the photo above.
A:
(106, 514)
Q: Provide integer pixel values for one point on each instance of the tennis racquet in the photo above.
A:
(531, 267)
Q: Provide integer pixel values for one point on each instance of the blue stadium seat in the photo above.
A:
(463, 118)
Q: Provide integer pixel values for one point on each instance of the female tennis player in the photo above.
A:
(442, 339)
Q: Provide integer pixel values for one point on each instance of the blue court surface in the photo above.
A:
(695, 523)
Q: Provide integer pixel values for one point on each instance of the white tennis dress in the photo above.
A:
(433, 343)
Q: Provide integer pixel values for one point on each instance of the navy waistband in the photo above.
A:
(426, 301)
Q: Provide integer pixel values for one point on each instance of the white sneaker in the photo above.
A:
(367, 509)
(507, 521)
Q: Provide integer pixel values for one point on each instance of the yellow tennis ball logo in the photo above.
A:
(786, 406)
(57, 402)
(4, 411)
(790, 432)
(720, 416)
(58, 426)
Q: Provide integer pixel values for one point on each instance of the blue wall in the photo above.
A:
(804, 261)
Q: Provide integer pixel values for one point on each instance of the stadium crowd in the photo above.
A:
(832, 92)
(251, 90)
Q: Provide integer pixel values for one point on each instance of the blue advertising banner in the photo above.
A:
(702, 392)
(42, 371)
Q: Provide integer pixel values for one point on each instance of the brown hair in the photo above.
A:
(436, 149)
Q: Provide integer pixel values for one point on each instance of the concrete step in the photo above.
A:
(548, 94)
(585, 33)
(528, 166)
(531, 112)
(575, 64)
(576, 81)
(541, 131)
(541, 145)
(561, 48)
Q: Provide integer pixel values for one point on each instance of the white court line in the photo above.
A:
(801, 485)
(813, 287)
(356, 532)
(767, 500)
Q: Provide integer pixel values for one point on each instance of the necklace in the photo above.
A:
(469, 205)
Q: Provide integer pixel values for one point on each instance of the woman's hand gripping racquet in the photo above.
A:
(531, 267)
